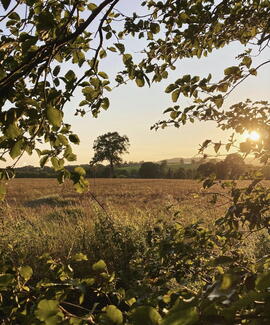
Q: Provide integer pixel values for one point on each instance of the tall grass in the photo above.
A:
(112, 223)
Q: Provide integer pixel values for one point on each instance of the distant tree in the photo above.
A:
(206, 169)
(163, 168)
(190, 173)
(121, 173)
(235, 165)
(169, 173)
(149, 170)
(182, 161)
(109, 147)
(222, 170)
(180, 173)
(133, 172)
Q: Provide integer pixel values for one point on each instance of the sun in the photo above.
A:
(253, 135)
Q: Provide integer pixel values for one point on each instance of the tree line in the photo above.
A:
(231, 167)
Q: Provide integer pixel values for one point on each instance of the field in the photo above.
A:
(145, 230)
(39, 215)
(120, 197)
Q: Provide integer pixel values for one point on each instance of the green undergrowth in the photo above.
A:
(166, 274)
(89, 266)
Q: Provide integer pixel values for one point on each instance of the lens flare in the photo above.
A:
(254, 136)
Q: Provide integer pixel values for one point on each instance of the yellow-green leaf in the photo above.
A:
(54, 116)
(175, 95)
(100, 266)
(12, 131)
(26, 272)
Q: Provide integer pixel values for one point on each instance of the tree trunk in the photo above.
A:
(111, 169)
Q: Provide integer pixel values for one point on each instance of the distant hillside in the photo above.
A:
(179, 160)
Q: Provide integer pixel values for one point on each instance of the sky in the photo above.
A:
(134, 110)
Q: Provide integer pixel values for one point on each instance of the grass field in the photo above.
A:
(122, 198)
(41, 216)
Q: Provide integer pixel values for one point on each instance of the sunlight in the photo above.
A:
(253, 135)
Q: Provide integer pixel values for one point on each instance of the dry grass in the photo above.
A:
(39, 215)
(125, 197)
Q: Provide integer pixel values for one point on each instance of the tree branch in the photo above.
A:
(41, 54)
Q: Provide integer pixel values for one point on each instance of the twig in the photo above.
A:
(239, 82)
(4, 17)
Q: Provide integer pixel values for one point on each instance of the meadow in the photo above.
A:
(156, 236)
(41, 216)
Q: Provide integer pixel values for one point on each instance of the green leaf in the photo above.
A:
(111, 316)
(155, 28)
(6, 280)
(74, 138)
(227, 281)
(105, 103)
(170, 88)
(45, 21)
(43, 161)
(218, 101)
(181, 317)
(56, 70)
(80, 171)
(102, 54)
(112, 49)
(70, 75)
(100, 266)
(145, 315)
(217, 147)
(79, 257)
(103, 75)
(263, 281)
(81, 186)
(223, 87)
(127, 58)
(83, 103)
(140, 81)
(14, 16)
(12, 131)
(247, 61)
(231, 70)
(26, 272)
(57, 165)
(174, 115)
(120, 47)
(16, 149)
(5, 3)
(48, 311)
(78, 57)
(175, 95)
(54, 116)
(91, 6)
(62, 139)
(253, 72)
